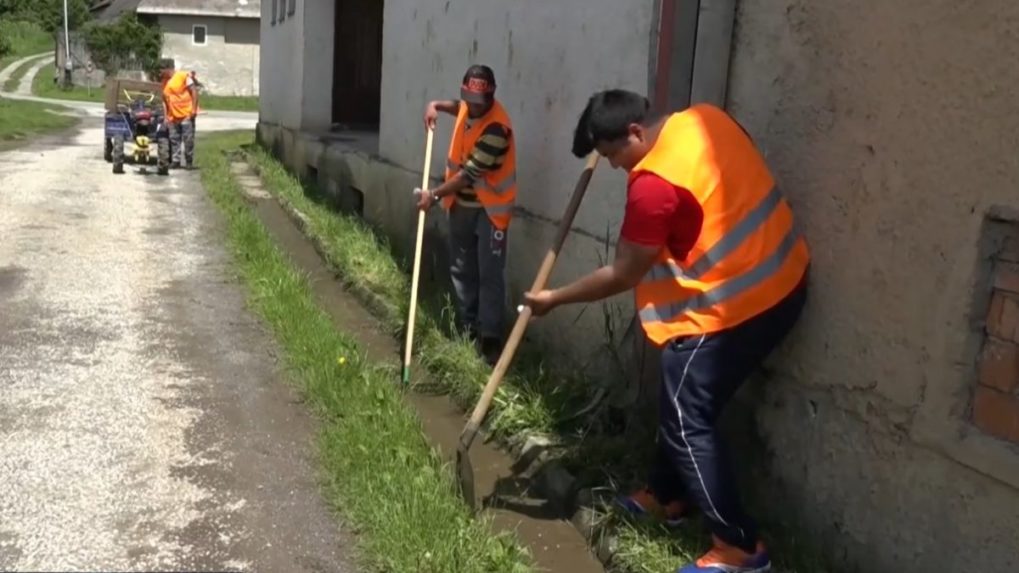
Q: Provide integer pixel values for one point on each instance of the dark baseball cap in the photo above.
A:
(478, 85)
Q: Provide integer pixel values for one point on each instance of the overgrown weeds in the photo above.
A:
(600, 446)
(380, 470)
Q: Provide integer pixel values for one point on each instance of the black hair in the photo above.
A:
(482, 72)
(607, 117)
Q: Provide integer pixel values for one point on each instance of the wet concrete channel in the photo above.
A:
(554, 543)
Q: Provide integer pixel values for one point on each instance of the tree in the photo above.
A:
(48, 13)
(15, 9)
(128, 38)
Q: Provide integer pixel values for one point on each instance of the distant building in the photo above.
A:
(218, 39)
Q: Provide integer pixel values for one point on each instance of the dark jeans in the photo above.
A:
(478, 262)
(699, 376)
(182, 142)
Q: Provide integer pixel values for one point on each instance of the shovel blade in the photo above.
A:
(465, 476)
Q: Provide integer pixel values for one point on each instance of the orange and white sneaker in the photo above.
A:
(643, 502)
(725, 558)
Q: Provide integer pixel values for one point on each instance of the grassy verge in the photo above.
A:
(43, 86)
(20, 120)
(381, 472)
(530, 399)
(25, 39)
(533, 399)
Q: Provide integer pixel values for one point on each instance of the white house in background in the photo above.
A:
(218, 39)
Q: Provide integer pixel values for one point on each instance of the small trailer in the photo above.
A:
(134, 124)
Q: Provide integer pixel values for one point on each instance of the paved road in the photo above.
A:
(245, 119)
(143, 422)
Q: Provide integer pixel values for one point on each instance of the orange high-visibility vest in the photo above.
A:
(749, 255)
(497, 189)
(178, 98)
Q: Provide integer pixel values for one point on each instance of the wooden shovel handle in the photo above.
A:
(495, 378)
(416, 274)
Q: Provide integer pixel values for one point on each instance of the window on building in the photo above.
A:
(275, 4)
(291, 6)
(199, 34)
(283, 11)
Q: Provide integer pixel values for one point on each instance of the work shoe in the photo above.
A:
(725, 558)
(491, 350)
(644, 502)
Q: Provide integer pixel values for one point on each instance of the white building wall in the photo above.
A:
(548, 58)
(296, 86)
(227, 63)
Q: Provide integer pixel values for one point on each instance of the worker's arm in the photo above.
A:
(487, 155)
(656, 213)
(632, 262)
(452, 107)
(194, 99)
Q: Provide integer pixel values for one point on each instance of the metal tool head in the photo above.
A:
(465, 476)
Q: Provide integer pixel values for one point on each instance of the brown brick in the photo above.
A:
(996, 413)
(999, 365)
(1003, 316)
(1006, 277)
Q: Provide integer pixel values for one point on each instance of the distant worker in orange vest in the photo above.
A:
(180, 100)
(709, 245)
(478, 194)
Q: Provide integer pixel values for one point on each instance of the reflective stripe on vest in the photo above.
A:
(726, 290)
(749, 254)
(496, 190)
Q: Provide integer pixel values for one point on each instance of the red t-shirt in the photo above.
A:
(660, 214)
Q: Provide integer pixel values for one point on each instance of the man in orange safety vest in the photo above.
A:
(180, 101)
(479, 193)
(718, 269)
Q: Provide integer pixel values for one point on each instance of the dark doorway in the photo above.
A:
(357, 67)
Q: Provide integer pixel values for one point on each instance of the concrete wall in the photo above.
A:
(889, 126)
(297, 56)
(228, 63)
(547, 63)
(892, 127)
(80, 57)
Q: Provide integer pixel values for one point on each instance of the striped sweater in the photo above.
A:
(488, 154)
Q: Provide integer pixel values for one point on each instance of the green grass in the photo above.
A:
(20, 120)
(228, 103)
(381, 473)
(43, 86)
(533, 399)
(26, 39)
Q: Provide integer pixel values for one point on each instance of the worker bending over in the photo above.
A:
(479, 193)
(719, 271)
(180, 100)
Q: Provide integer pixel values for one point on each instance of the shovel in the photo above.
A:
(417, 262)
(464, 469)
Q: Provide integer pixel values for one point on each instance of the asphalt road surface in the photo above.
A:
(144, 422)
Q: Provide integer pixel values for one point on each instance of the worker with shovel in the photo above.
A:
(479, 193)
(719, 272)
(180, 100)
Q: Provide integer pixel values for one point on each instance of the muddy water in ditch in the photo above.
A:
(554, 543)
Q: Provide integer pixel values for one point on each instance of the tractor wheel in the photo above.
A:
(163, 156)
(108, 149)
(118, 154)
